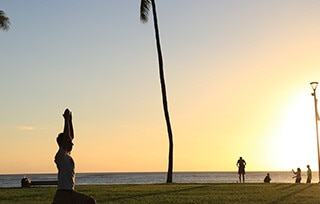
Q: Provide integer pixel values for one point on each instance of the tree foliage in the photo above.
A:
(4, 21)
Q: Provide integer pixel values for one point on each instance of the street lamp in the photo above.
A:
(314, 86)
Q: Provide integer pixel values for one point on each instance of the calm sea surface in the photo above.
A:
(14, 180)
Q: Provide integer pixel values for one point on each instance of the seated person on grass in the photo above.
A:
(267, 179)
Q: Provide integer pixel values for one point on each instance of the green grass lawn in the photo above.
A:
(176, 193)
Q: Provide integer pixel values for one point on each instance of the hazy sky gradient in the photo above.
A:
(237, 72)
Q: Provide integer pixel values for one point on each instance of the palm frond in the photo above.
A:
(144, 10)
(4, 21)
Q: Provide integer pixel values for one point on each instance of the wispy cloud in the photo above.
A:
(25, 128)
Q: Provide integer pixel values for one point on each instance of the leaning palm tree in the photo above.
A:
(4, 21)
(144, 13)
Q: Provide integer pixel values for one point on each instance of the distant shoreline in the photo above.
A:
(142, 172)
(14, 180)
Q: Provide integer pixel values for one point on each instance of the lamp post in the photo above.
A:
(314, 86)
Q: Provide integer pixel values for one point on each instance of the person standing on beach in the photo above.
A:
(297, 175)
(241, 164)
(65, 164)
(309, 174)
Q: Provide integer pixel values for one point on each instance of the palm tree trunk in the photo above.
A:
(164, 93)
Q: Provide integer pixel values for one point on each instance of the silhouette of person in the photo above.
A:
(267, 179)
(309, 174)
(65, 164)
(241, 164)
(297, 175)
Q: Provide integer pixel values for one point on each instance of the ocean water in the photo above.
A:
(14, 180)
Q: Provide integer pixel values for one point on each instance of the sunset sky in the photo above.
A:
(238, 76)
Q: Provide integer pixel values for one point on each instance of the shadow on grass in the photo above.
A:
(10, 188)
(282, 198)
(285, 187)
(156, 193)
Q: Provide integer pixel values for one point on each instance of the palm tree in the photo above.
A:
(144, 13)
(4, 21)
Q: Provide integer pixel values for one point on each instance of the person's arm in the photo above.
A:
(71, 126)
(68, 129)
